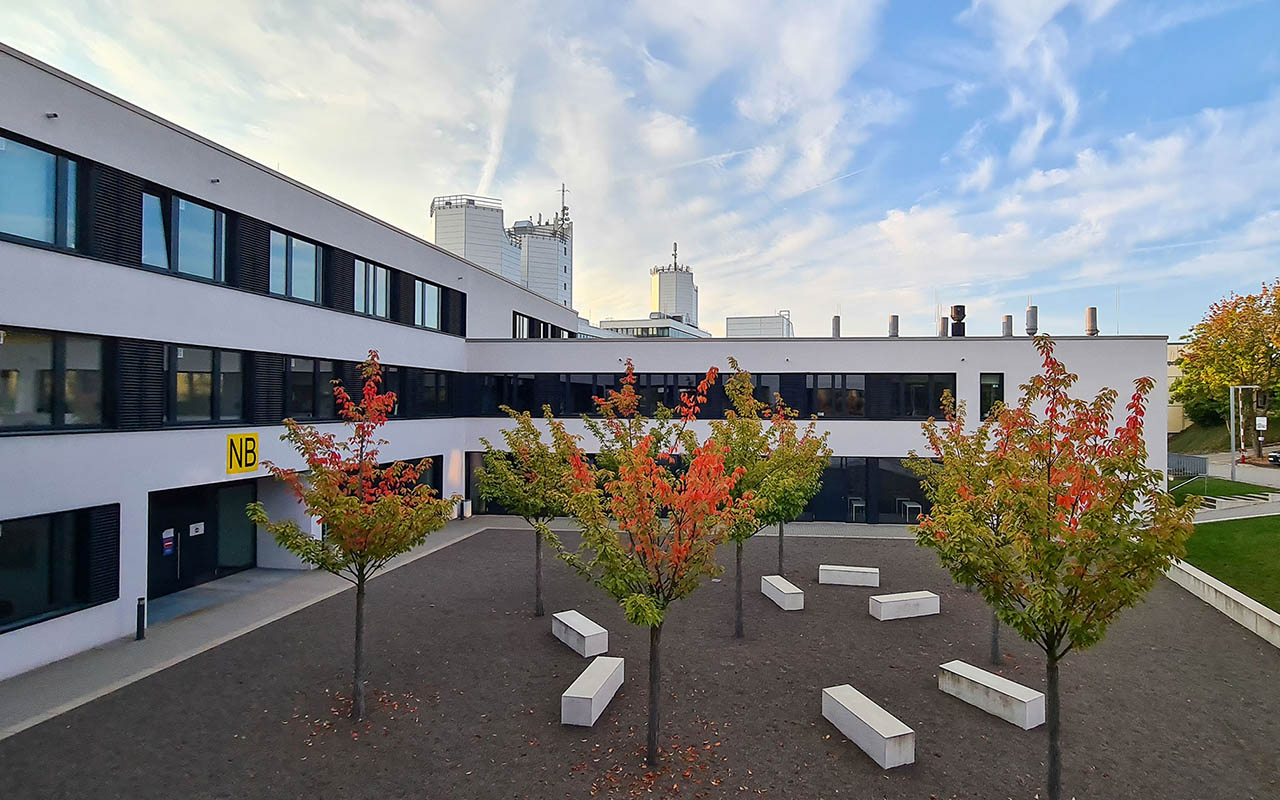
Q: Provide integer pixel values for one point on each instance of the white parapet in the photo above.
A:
(783, 592)
(903, 604)
(586, 698)
(581, 634)
(992, 693)
(880, 734)
(848, 576)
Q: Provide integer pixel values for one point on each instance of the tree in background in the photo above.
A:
(369, 513)
(529, 479)
(1236, 343)
(1056, 518)
(652, 519)
(781, 466)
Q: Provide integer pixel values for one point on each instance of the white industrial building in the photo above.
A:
(773, 326)
(654, 326)
(672, 292)
(164, 301)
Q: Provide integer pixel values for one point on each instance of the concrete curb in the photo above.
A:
(1237, 605)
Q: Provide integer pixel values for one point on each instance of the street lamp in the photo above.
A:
(1233, 426)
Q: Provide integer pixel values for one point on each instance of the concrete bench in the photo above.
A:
(903, 604)
(1001, 697)
(848, 576)
(783, 592)
(880, 734)
(581, 634)
(586, 698)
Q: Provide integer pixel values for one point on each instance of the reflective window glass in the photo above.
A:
(26, 379)
(855, 395)
(193, 396)
(303, 270)
(155, 237)
(301, 400)
(83, 381)
(324, 387)
(28, 191)
(361, 282)
(196, 231)
(279, 262)
(230, 386)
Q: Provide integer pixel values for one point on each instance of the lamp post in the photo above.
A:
(1233, 425)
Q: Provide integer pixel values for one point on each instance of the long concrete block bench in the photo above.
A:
(586, 698)
(992, 693)
(783, 592)
(903, 605)
(838, 575)
(880, 734)
(581, 634)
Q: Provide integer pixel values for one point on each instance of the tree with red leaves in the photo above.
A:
(370, 513)
(1052, 514)
(652, 511)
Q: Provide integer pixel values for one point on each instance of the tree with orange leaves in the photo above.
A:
(652, 512)
(1052, 514)
(370, 513)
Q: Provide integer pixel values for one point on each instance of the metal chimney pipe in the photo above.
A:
(957, 320)
(893, 326)
(1006, 325)
(1033, 320)
(1091, 321)
(835, 327)
(944, 325)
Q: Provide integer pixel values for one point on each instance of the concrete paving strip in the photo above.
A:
(1243, 512)
(45, 692)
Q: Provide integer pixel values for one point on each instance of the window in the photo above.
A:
(915, 396)
(38, 192)
(426, 305)
(155, 232)
(206, 385)
(183, 235)
(855, 395)
(309, 388)
(50, 380)
(371, 288)
(990, 391)
(44, 566)
(295, 267)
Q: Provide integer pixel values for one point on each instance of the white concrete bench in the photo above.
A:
(586, 698)
(995, 695)
(581, 634)
(903, 604)
(880, 734)
(848, 576)
(783, 592)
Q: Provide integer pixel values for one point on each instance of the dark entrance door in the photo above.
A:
(185, 529)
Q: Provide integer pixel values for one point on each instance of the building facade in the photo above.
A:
(165, 303)
(655, 326)
(672, 292)
(1178, 419)
(774, 326)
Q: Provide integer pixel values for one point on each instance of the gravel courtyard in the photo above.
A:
(1177, 702)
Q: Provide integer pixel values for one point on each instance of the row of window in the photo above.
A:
(42, 199)
(524, 326)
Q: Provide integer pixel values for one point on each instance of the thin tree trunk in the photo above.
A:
(357, 689)
(1052, 710)
(780, 548)
(655, 674)
(995, 639)
(537, 575)
(737, 603)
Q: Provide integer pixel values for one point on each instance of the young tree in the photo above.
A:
(652, 520)
(370, 513)
(1052, 515)
(1236, 343)
(529, 479)
(781, 466)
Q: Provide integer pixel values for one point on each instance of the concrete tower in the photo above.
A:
(672, 291)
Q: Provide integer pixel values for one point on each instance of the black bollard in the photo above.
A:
(142, 618)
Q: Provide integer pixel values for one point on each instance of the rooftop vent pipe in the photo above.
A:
(1033, 320)
(944, 325)
(835, 327)
(1091, 321)
(893, 326)
(1006, 325)
(957, 320)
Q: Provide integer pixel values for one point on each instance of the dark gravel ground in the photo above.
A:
(1178, 702)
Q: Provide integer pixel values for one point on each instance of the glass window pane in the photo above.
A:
(303, 269)
(26, 564)
(302, 385)
(26, 379)
(28, 188)
(230, 386)
(361, 280)
(195, 239)
(155, 239)
(279, 256)
(69, 202)
(194, 392)
(855, 395)
(324, 384)
(915, 396)
(83, 382)
(429, 305)
(380, 290)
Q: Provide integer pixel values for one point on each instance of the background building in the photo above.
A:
(774, 326)
(656, 326)
(672, 292)
(1178, 419)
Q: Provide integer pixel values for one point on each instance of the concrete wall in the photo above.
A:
(1237, 605)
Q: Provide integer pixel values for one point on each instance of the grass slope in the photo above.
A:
(1196, 439)
(1244, 553)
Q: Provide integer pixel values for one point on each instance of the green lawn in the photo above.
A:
(1215, 487)
(1244, 553)
(1196, 439)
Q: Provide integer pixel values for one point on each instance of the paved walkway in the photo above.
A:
(1243, 512)
(1220, 467)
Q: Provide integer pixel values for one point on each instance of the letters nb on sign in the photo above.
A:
(242, 453)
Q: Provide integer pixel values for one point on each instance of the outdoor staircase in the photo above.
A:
(1239, 500)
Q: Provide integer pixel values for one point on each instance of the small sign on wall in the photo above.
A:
(1260, 423)
(168, 542)
(196, 529)
(242, 453)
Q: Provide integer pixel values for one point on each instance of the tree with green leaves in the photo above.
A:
(370, 513)
(781, 466)
(528, 479)
(1055, 516)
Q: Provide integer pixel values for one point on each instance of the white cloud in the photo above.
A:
(980, 178)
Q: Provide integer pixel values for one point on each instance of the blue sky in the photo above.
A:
(867, 158)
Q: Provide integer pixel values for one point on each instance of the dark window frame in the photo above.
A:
(63, 205)
(321, 251)
(321, 390)
(215, 388)
(985, 403)
(170, 210)
(58, 384)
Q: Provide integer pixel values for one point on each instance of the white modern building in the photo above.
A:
(672, 292)
(537, 255)
(165, 303)
(654, 326)
(773, 326)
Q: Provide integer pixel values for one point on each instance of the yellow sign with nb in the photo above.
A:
(242, 453)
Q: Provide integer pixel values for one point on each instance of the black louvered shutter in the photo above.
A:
(402, 286)
(795, 393)
(104, 553)
(548, 390)
(453, 311)
(113, 215)
(266, 379)
(250, 264)
(339, 279)
(882, 391)
(141, 389)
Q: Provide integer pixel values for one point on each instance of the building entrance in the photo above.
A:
(197, 534)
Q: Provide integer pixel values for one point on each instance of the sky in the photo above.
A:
(861, 158)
